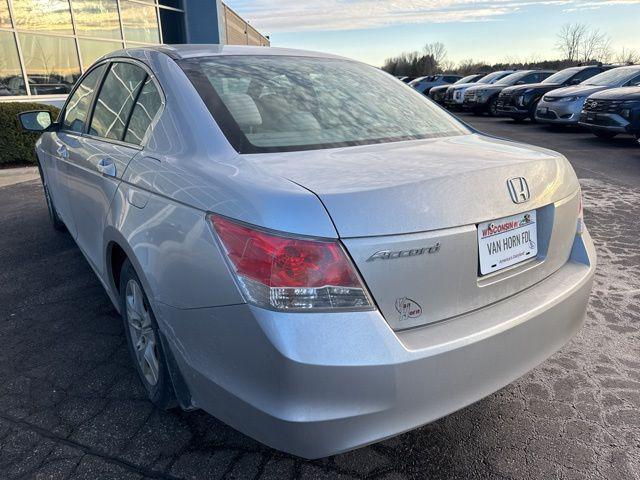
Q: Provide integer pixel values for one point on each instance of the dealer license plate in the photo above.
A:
(507, 241)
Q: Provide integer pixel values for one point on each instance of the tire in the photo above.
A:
(55, 220)
(143, 339)
(492, 108)
(532, 112)
(604, 135)
(518, 119)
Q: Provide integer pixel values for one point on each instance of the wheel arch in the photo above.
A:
(118, 250)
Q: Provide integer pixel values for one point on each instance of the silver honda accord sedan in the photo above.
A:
(305, 247)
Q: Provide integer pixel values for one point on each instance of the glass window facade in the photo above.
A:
(50, 62)
(97, 19)
(51, 42)
(139, 22)
(11, 79)
(43, 16)
(91, 50)
(5, 19)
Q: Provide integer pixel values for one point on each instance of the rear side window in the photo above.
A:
(116, 100)
(147, 105)
(75, 115)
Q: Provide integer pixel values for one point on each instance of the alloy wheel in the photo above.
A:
(143, 336)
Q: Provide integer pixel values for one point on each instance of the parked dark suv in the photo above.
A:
(520, 101)
(613, 111)
(484, 98)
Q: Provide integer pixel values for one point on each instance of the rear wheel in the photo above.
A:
(56, 222)
(604, 135)
(143, 338)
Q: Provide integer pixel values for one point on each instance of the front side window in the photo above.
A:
(116, 99)
(147, 105)
(278, 103)
(75, 115)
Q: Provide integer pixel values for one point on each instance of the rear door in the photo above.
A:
(100, 156)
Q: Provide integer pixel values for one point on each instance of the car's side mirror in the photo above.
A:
(575, 81)
(520, 82)
(35, 120)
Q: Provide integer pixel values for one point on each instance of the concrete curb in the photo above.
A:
(11, 176)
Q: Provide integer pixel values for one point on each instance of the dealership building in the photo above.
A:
(45, 45)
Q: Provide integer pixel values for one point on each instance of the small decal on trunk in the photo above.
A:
(408, 308)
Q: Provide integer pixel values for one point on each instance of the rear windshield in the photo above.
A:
(281, 103)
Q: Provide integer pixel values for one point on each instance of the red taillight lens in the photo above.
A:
(280, 272)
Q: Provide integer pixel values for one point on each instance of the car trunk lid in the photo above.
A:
(429, 196)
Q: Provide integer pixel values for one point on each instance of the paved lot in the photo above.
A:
(71, 407)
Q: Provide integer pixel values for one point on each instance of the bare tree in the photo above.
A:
(628, 56)
(595, 45)
(569, 40)
(579, 42)
(434, 56)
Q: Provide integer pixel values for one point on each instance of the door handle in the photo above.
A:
(62, 151)
(107, 167)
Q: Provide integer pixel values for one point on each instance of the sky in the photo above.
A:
(489, 30)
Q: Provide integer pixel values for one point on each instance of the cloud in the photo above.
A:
(274, 16)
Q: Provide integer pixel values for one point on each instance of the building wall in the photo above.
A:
(239, 32)
(45, 45)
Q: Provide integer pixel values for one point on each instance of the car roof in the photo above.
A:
(211, 50)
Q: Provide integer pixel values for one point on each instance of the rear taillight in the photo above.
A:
(287, 273)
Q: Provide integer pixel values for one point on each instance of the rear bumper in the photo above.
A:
(320, 384)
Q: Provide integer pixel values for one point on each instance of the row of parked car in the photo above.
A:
(603, 98)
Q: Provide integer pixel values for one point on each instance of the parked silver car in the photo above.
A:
(319, 265)
(564, 105)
